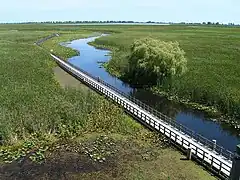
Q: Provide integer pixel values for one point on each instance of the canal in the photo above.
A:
(89, 59)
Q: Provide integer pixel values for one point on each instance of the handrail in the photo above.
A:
(206, 156)
(204, 141)
(219, 159)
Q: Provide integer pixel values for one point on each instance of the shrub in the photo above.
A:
(156, 60)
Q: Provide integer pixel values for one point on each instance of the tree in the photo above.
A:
(155, 61)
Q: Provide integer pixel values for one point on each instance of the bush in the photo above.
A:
(155, 60)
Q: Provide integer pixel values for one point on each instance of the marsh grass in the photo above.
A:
(32, 101)
(37, 116)
(213, 74)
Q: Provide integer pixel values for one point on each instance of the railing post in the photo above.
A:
(176, 137)
(203, 156)
(220, 168)
(221, 150)
(212, 162)
(198, 137)
(235, 173)
(180, 127)
(214, 144)
(189, 153)
(192, 134)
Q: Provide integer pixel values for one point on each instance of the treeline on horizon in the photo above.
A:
(123, 22)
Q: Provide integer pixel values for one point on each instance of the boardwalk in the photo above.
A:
(203, 150)
(217, 162)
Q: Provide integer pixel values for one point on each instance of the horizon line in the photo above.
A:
(118, 21)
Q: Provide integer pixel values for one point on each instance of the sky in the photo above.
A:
(223, 11)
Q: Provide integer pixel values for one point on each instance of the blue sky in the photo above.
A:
(223, 11)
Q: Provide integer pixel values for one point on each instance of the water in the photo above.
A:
(89, 59)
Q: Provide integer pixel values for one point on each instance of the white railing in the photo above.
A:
(214, 157)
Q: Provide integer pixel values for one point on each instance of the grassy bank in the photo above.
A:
(53, 129)
(213, 55)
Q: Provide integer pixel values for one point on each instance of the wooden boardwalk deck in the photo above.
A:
(218, 160)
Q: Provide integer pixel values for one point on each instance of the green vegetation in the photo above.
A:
(101, 156)
(48, 124)
(155, 62)
(33, 102)
(213, 74)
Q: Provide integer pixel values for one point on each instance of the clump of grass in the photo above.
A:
(100, 149)
(33, 149)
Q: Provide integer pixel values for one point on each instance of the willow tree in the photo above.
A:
(156, 60)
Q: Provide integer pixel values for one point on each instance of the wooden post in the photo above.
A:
(214, 144)
(203, 156)
(235, 173)
(189, 153)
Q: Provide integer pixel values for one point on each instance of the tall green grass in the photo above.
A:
(213, 76)
(32, 101)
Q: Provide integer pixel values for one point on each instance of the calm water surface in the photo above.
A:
(89, 59)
